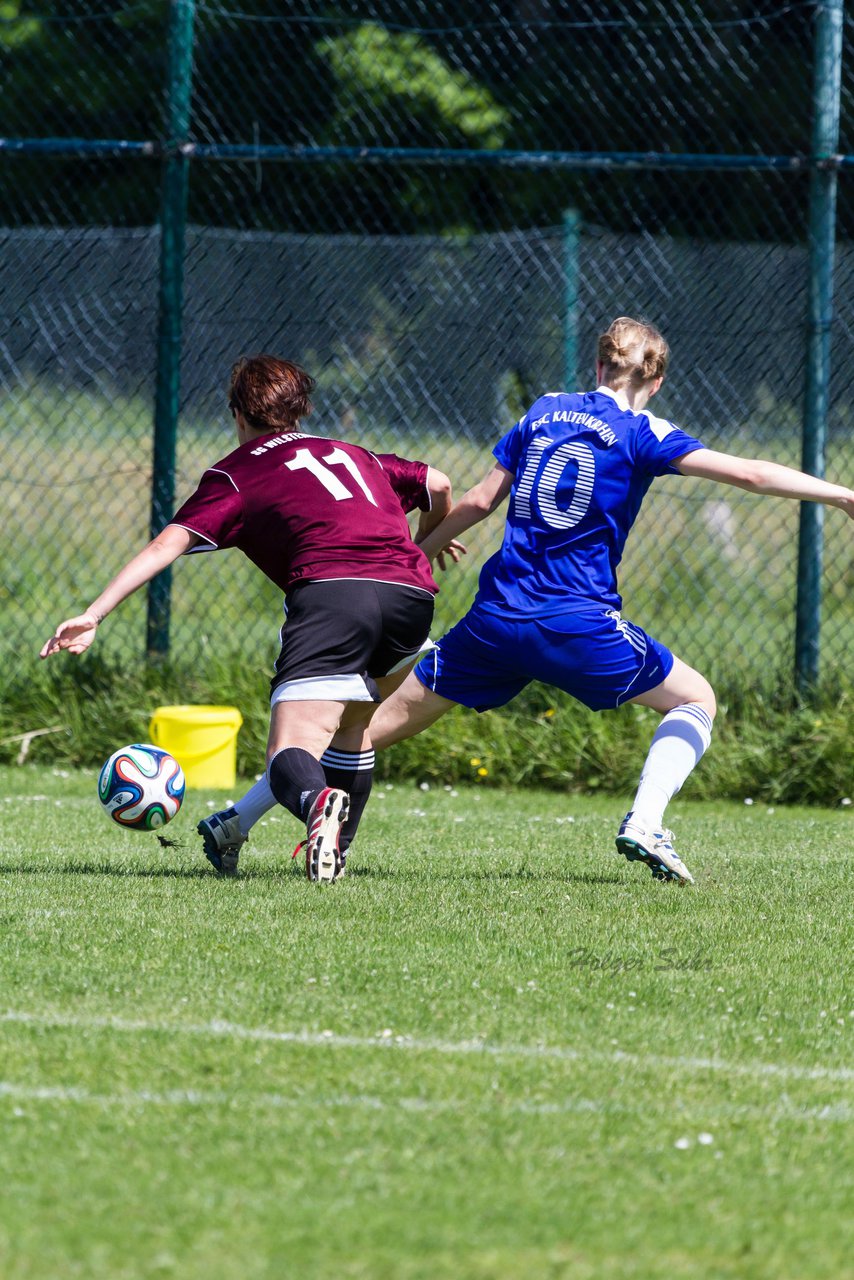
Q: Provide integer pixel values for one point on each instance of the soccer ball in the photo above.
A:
(141, 787)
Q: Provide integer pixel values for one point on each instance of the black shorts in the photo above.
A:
(349, 627)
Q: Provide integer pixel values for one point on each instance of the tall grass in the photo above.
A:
(767, 746)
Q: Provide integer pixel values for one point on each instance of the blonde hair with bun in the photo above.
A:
(632, 353)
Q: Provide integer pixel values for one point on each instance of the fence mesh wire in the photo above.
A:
(432, 294)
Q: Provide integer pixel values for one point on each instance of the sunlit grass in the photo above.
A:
(494, 1049)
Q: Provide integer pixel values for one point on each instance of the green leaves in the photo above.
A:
(15, 30)
(374, 66)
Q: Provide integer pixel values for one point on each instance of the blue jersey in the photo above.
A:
(582, 465)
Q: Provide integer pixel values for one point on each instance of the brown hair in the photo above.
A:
(272, 394)
(632, 352)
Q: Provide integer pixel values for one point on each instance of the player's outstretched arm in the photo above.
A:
(439, 488)
(472, 507)
(76, 634)
(758, 476)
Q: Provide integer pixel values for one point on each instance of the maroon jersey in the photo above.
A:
(304, 508)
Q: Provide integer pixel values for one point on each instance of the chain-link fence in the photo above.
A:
(435, 208)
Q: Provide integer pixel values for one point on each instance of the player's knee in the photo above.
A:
(687, 685)
(704, 694)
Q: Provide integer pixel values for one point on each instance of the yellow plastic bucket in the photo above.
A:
(202, 739)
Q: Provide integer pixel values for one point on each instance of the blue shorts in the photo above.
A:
(591, 653)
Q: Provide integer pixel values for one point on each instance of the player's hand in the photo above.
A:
(454, 550)
(75, 635)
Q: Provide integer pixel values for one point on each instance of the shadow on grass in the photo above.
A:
(521, 875)
(516, 875)
(108, 869)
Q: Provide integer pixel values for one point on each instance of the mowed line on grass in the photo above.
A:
(833, 1113)
(329, 1039)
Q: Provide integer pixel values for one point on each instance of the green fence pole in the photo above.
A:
(571, 241)
(822, 241)
(173, 215)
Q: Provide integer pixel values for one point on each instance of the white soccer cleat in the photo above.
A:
(324, 860)
(655, 848)
(222, 839)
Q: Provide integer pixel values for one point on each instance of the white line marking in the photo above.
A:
(837, 1112)
(279, 1101)
(329, 1039)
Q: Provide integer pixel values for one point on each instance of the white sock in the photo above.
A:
(677, 746)
(257, 801)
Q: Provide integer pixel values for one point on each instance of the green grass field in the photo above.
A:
(493, 1051)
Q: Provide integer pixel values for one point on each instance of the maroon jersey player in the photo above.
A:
(304, 508)
(325, 520)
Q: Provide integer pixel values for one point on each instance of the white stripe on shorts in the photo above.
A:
(351, 688)
(628, 631)
(427, 647)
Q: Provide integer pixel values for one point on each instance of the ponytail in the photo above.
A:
(632, 352)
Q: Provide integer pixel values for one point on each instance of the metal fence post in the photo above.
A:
(173, 215)
(821, 248)
(571, 242)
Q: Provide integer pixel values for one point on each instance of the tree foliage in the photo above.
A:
(722, 76)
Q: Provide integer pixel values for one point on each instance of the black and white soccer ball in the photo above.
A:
(141, 787)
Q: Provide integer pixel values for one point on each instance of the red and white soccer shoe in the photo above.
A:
(324, 860)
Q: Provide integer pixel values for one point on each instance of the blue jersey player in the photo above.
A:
(576, 468)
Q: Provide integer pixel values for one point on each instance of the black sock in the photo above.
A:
(296, 780)
(353, 772)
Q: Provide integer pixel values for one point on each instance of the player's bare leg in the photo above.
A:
(306, 726)
(353, 732)
(686, 702)
(349, 760)
(300, 732)
(682, 685)
(410, 709)
(347, 763)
